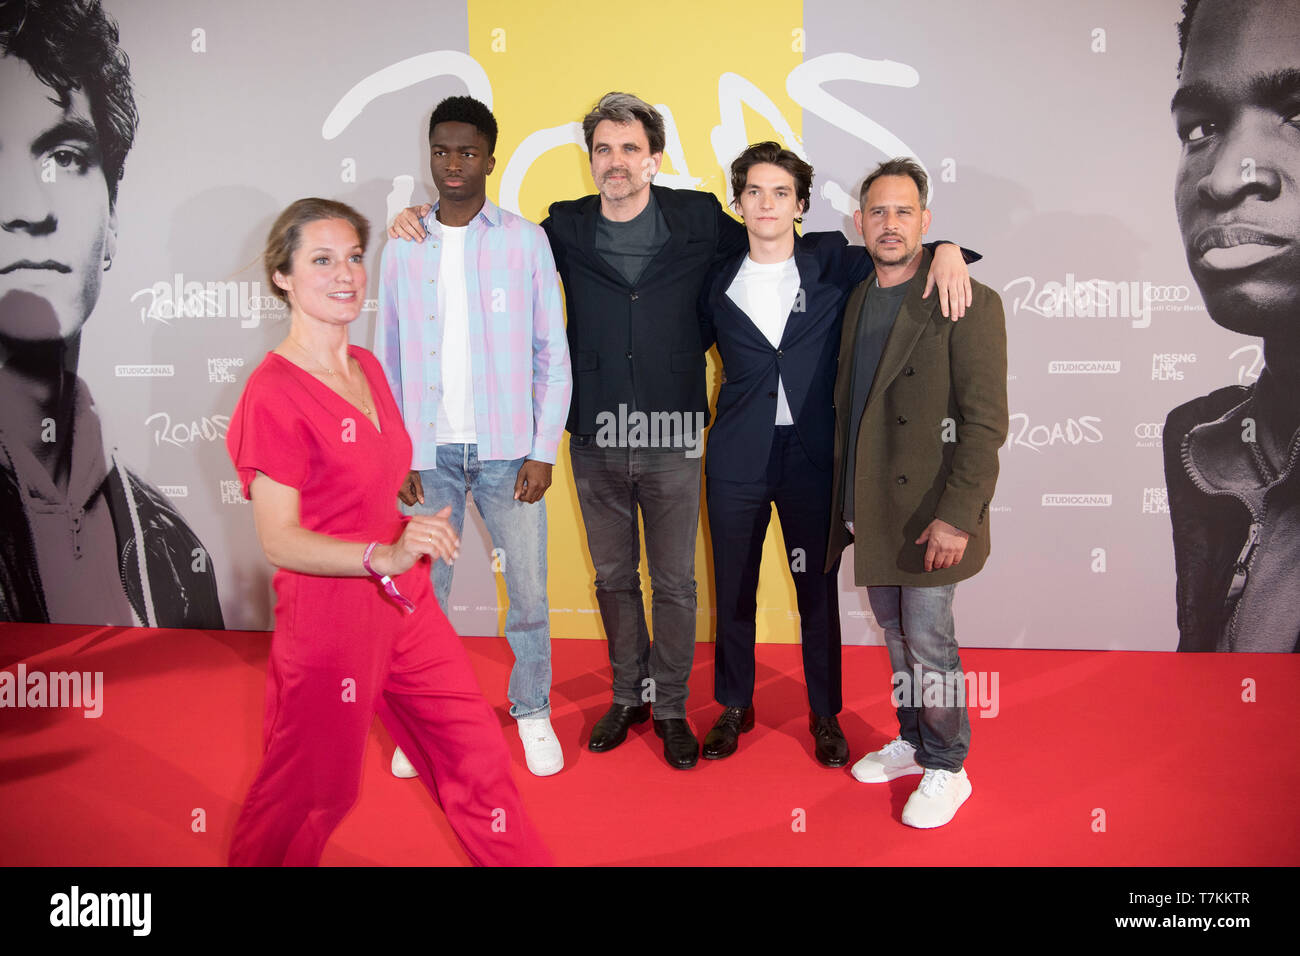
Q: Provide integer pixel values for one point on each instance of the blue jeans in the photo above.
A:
(664, 484)
(920, 637)
(518, 530)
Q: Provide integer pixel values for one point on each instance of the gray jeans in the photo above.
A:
(928, 681)
(664, 483)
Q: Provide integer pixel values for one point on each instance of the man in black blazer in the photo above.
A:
(775, 314)
(632, 259)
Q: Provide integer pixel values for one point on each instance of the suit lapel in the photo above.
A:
(848, 345)
(913, 316)
(809, 273)
(738, 316)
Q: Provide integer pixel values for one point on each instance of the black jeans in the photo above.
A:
(739, 512)
(612, 483)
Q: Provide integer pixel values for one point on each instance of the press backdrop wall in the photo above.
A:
(1045, 127)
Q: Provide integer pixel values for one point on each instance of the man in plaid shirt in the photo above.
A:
(471, 336)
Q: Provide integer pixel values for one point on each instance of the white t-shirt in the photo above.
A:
(765, 291)
(456, 410)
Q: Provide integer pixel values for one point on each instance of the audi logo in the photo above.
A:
(1148, 429)
(1166, 293)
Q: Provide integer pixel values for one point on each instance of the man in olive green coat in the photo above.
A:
(921, 411)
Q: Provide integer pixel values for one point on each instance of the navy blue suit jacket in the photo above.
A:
(805, 359)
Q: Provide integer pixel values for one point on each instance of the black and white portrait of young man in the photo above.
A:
(82, 538)
(1231, 456)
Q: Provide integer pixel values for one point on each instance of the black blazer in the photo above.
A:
(741, 438)
(639, 345)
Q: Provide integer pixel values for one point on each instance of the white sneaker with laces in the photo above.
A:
(936, 798)
(896, 759)
(402, 767)
(541, 747)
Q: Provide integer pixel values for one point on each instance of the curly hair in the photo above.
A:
(72, 45)
(466, 109)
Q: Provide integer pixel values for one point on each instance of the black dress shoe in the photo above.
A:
(724, 738)
(831, 748)
(681, 749)
(611, 730)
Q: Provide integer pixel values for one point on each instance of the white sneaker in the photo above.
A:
(402, 767)
(896, 759)
(541, 746)
(936, 798)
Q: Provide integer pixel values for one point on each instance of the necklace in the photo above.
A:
(360, 397)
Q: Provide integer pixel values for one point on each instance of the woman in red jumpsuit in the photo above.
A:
(321, 451)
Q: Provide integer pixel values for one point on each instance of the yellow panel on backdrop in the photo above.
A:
(548, 65)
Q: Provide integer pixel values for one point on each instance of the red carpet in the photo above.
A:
(1160, 748)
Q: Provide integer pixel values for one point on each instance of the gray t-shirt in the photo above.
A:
(875, 322)
(629, 246)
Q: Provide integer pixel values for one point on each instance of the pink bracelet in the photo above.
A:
(386, 582)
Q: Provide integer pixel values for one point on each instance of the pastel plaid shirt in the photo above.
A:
(519, 354)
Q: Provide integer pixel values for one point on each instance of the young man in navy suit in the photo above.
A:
(775, 313)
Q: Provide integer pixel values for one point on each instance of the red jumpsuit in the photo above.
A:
(342, 650)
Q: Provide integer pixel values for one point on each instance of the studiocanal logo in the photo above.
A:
(1096, 298)
(1083, 367)
(144, 371)
(1059, 500)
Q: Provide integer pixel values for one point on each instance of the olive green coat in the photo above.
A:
(928, 438)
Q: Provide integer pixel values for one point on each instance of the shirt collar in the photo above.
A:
(489, 214)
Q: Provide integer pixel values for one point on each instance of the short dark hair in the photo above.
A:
(1185, 30)
(466, 109)
(625, 108)
(285, 237)
(776, 155)
(899, 166)
(72, 45)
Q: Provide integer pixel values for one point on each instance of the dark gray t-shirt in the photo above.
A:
(629, 246)
(875, 322)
